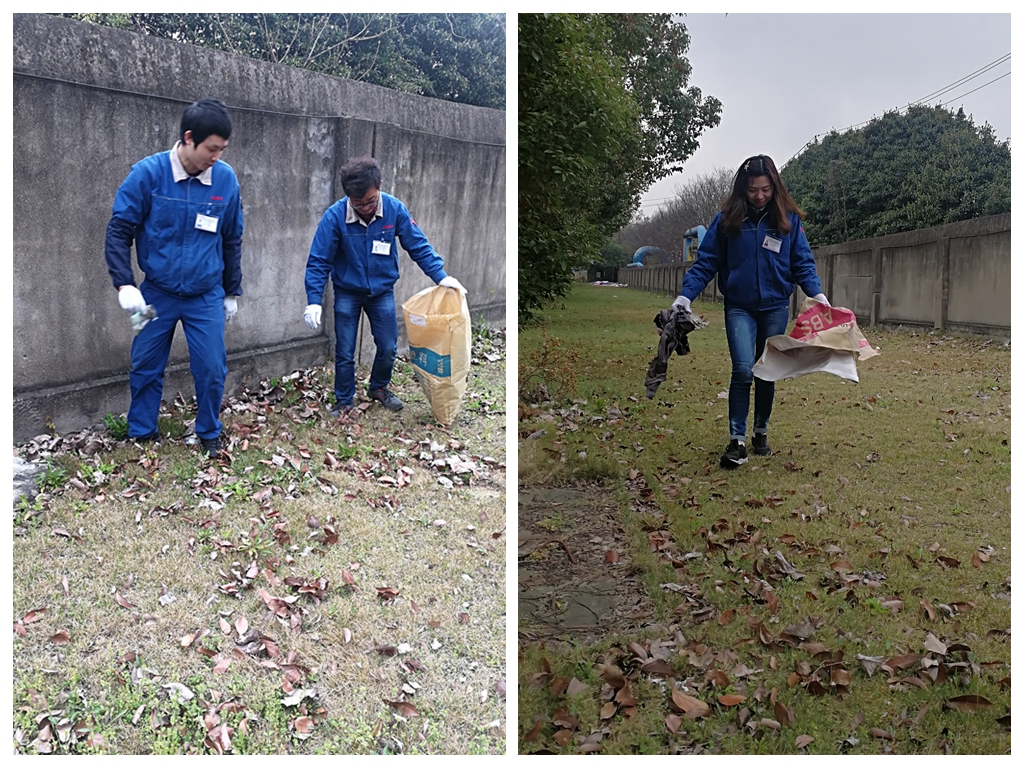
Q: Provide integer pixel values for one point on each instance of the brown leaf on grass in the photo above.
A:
(717, 677)
(929, 610)
(19, 629)
(840, 676)
(803, 740)
(563, 737)
(841, 566)
(534, 733)
(565, 719)
(731, 699)
(67, 588)
(784, 714)
(690, 706)
(625, 697)
(947, 562)
(33, 615)
(303, 724)
(969, 703)
(611, 556)
(726, 617)
(608, 710)
(774, 725)
(575, 686)
(933, 644)
(61, 638)
(404, 708)
(387, 594)
(558, 686)
(870, 663)
(613, 676)
(903, 662)
(241, 625)
(122, 601)
(658, 667)
(187, 640)
(672, 722)
(879, 733)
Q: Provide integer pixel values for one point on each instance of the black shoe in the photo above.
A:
(734, 455)
(339, 410)
(153, 438)
(760, 445)
(211, 446)
(386, 397)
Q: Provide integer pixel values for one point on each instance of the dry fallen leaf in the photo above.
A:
(803, 740)
(969, 703)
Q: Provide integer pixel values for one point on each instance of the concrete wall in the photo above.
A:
(953, 277)
(89, 101)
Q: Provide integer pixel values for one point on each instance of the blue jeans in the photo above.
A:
(747, 331)
(380, 311)
(202, 318)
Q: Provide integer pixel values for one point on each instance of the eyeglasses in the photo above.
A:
(364, 206)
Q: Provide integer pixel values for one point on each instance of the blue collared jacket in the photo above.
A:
(345, 251)
(159, 215)
(750, 275)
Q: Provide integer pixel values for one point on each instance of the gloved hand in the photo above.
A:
(682, 303)
(230, 308)
(312, 316)
(130, 298)
(451, 282)
(821, 297)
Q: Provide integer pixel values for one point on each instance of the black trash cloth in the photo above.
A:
(673, 325)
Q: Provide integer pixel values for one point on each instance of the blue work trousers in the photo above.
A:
(380, 311)
(746, 331)
(202, 318)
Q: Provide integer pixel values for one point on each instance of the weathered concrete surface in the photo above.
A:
(90, 101)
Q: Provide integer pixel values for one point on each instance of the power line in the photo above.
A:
(965, 79)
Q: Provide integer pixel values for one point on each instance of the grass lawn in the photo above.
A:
(326, 587)
(848, 594)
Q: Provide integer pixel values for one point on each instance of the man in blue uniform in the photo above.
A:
(356, 244)
(183, 211)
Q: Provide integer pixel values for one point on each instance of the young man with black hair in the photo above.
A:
(356, 245)
(183, 210)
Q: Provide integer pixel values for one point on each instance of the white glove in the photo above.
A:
(821, 297)
(451, 282)
(312, 316)
(230, 308)
(682, 303)
(130, 299)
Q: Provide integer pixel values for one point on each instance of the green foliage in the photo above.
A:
(117, 426)
(603, 112)
(452, 56)
(614, 255)
(901, 172)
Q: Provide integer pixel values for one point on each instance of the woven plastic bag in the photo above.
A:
(438, 326)
(825, 339)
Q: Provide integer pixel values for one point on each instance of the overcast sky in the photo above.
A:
(783, 78)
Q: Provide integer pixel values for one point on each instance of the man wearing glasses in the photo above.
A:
(356, 244)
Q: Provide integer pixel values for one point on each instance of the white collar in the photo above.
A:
(179, 172)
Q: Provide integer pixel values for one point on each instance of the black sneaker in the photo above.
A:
(386, 397)
(153, 438)
(760, 445)
(734, 455)
(211, 446)
(339, 410)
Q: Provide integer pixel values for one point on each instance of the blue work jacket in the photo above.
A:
(751, 275)
(160, 215)
(345, 252)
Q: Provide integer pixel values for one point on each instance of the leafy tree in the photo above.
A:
(604, 111)
(901, 172)
(613, 254)
(455, 57)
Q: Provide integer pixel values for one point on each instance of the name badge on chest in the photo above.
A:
(772, 244)
(206, 223)
(381, 247)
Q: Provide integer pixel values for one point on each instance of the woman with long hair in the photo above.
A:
(757, 247)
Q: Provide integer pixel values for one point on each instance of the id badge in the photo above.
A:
(206, 223)
(772, 244)
(381, 247)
